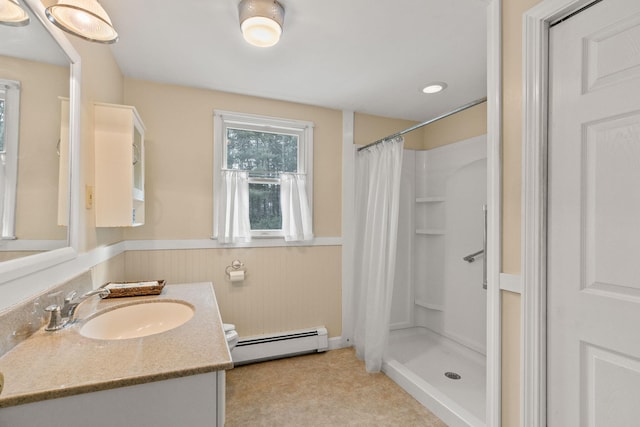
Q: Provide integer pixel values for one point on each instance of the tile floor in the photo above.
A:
(323, 389)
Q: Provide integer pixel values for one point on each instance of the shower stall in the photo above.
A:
(437, 343)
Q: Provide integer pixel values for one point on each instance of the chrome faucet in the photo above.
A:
(61, 317)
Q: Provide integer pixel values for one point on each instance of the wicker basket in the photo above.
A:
(134, 289)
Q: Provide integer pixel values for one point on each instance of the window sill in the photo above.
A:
(263, 242)
(210, 243)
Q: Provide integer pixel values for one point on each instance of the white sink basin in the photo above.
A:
(137, 320)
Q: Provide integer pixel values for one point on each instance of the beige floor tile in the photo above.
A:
(324, 389)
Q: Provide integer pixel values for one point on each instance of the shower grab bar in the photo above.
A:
(472, 257)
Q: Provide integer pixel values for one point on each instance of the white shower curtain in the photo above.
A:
(378, 171)
(294, 203)
(232, 215)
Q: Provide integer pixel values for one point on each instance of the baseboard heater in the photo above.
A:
(283, 344)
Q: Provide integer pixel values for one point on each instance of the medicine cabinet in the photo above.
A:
(119, 166)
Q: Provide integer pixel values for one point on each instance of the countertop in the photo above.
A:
(51, 365)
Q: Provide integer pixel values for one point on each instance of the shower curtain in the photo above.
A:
(378, 171)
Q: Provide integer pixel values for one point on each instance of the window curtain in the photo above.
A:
(3, 192)
(233, 224)
(294, 203)
(378, 170)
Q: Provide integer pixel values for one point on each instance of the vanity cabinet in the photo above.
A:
(119, 166)
(165, 379)
(196, 400)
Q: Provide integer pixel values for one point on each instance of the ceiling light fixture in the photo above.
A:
(261, 21)
(12, 14)
(435, 87)
(83, 18)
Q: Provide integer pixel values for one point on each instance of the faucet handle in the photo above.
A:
(70, 296)
(55, 319)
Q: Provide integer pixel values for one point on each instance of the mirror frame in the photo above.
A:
(20, 267)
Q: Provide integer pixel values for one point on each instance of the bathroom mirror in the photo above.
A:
(40, 61)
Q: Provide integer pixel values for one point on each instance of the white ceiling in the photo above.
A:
(371, 56)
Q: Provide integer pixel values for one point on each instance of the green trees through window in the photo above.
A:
(264, 155)
(261, 152)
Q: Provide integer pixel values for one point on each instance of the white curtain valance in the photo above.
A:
(233, 224)
(294, 203)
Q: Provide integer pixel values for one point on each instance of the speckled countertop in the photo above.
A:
(51, 365)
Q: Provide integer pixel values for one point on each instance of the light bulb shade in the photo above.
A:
(12, 14)
(261, 21)
(83, 18)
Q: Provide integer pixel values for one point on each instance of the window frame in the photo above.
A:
(10, 93)
(222, 120)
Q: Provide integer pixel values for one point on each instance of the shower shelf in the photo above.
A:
(437, 307)
(434, 199)
(431, 231)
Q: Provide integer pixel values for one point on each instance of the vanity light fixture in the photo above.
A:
(261, 21)
(12, 14)
(435, 87)
(83, 18)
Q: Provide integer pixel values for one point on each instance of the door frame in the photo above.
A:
(536, 22)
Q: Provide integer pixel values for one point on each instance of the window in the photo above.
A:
(9, 122)
(265, 148)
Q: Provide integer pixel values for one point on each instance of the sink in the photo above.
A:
(137, 320)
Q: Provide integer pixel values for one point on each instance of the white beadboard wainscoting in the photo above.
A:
(285, 288)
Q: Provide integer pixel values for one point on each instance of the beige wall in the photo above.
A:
(512, 11)
(37, 200)
(102, 81)
(368, 128)
(179, 157)
(457, 127)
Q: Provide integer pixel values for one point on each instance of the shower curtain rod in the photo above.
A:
(419, 125)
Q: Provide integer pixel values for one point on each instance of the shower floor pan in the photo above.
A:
(418, 359)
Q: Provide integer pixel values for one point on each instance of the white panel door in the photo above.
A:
(593, 246)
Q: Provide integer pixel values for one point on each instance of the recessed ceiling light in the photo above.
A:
(435, 87)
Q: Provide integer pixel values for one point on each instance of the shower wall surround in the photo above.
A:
(441, 221)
